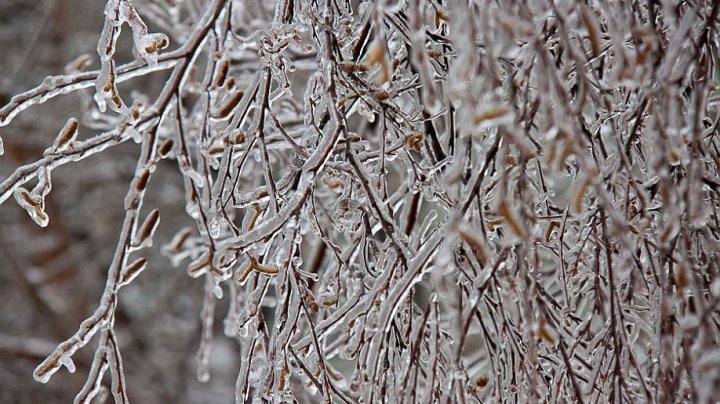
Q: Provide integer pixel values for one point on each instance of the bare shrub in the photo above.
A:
(412, 201)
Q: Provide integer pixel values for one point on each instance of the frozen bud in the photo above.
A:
(141, 179)
(381, 95)
(34, 205)
(135, 110)
(229, 105)
(353, 67)
(149, 45)
(414, 141)
(79, 64)
(147, 229)
(482, 381)
(178, 242)
(512, 218)
(165, 148)
(222, 71)
(200, 266)
(132, 271)
(237, 137)
(434, 54)
(491, 115)
(66, 136)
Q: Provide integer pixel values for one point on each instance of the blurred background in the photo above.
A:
(51, 278)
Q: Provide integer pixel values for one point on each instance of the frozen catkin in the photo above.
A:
(398, 202)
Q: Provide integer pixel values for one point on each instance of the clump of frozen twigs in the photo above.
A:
(416, 201)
